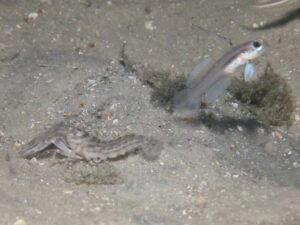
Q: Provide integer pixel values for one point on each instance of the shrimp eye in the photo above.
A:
(256, 44)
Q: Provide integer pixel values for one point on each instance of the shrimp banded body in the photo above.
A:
(78, 144)
(90, 147)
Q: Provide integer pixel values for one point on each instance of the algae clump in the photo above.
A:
(269, 98)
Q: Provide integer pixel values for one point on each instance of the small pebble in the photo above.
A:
(33, 16)
(20, 222)
(239, 128)
(33, 160)
(255, 25)
(149, 25)
(68, 114)
(261, 131)
(297, 118)
(2, 46)
(108, 115)
(278, 135)
(17, 144)
(235, 105)
(115, 121)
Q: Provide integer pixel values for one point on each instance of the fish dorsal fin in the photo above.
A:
(218, 89)
(198, 72)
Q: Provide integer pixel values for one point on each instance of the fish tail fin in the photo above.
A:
(185, 104)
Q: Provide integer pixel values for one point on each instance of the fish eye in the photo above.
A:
(257, 44)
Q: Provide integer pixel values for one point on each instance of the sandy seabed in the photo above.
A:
(59, 61)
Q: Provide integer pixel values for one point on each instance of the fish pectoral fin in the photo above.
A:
(218, 89)
(249, 72)
(198, 72)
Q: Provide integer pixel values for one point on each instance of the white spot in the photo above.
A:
(149, 25)
(239, 128)
(20, 222)
(235, 105)
(254, 25)
(33, 16)
(297, 118)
